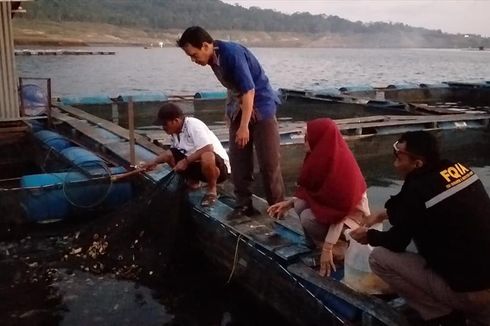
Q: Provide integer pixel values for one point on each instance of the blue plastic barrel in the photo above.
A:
(326, 91)
(356, 88)
(51, 204)
(143, 97)
(78, 156)
(34, 99)
(53, 140)
(44, 205)
(403, 86)
(37, 125)
(211, 95)
(440, 85)
(95, 99)
(385, 104)
(468, 84)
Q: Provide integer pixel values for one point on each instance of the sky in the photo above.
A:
(451, 16)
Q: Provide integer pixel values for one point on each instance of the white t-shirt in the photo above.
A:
(194, 136)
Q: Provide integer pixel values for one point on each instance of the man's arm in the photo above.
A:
(237, 64)
(395, 239)
(243, 135)
(197, 154)
(164, 157)
(398, 237)
(183, 164)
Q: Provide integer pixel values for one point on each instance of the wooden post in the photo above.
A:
(48, 105)
(21, 98)
(115, 112)
(132, 156)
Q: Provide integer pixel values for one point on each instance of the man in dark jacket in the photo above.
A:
(444, 208)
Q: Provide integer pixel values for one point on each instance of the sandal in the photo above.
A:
(208, 199)
(192, 184)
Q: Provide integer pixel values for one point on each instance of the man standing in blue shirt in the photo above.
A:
(251, 109)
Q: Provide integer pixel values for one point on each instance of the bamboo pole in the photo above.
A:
(132, 155)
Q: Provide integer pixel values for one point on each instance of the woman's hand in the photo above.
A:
(280, 209)
(360, 235)
(375, 218)
(326, 260)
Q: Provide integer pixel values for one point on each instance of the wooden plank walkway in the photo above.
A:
(357, 126)
(411, 120)
(78, 115)
(221, 131)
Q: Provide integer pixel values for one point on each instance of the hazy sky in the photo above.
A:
(452, 16)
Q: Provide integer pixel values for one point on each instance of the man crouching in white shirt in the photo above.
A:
(195, 151)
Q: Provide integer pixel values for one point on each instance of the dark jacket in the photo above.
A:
(446, 211)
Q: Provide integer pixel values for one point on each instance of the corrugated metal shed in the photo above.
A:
(9, 101)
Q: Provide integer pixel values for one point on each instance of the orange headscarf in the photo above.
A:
(330, 181)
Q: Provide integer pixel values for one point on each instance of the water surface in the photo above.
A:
(171, 71)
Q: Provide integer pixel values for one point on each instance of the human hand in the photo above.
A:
(146, 166)
(360, 235)
(242, 136)
(181, 165)
(326, 260)
(278, 210)
(375, 218)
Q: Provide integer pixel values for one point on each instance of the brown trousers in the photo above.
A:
(264, 135)
(424, 290)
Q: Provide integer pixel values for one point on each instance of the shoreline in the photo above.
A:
(83, 34)
(49, 44)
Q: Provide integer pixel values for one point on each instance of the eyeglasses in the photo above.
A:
(397, 151)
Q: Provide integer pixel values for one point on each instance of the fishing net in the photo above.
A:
(87, 184)
(136, 240)
(136, 237)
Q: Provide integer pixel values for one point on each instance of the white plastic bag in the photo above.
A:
(357, 273)
(357, 256)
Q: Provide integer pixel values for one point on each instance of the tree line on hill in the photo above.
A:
(216, 15)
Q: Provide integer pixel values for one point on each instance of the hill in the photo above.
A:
(144, 21)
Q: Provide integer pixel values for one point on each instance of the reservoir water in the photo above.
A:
(169, 70)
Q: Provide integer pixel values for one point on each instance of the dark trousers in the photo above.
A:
(264, 135)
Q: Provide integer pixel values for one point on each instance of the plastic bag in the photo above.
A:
(357, 273)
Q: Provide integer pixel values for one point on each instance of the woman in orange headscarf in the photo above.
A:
(331, 190)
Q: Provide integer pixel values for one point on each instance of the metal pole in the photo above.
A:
(22, 107)
(49, 103)
(132, 156)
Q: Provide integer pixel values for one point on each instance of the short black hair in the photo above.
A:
(423, 144)
(167, 112)
(195, 36)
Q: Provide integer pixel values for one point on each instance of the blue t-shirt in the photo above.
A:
(240, 71)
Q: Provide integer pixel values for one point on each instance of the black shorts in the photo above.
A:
(194, 171)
